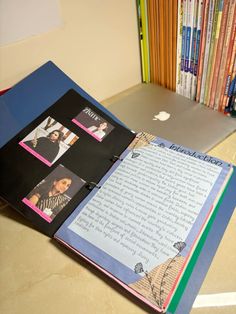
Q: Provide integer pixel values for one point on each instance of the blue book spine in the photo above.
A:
(193, 49)
(197, 52)
(188, 36)
(183, 48)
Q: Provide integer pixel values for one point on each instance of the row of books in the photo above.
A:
(206, 50)
(192, 44)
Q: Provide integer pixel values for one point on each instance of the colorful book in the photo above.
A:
(179, 43)
(189, 38)
(219, 48)
(231, 105)
(228, 65)
(230, 87)
(144, 41)
(226, 47)
(207, 48)
(171, 19)
(214, 38)
(193, 17)
(183, 46)
(174, 41)
(214, 52)
(202, 48)
(232, 99)
(161, 32)
(196, 51)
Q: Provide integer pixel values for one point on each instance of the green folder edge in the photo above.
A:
(184, 280)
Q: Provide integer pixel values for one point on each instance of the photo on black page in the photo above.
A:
(93, 124)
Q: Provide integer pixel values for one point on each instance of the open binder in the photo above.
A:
(137, 207)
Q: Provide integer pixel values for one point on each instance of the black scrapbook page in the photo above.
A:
(51, 165)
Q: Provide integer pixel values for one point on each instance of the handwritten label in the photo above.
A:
(146, 205)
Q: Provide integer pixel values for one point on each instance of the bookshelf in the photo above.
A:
(189, 46)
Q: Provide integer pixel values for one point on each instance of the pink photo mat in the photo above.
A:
(30, 150)
(37, 210)
(86, 130)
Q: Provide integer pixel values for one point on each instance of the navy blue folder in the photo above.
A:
(37, 92)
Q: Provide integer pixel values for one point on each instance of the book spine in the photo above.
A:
(230, 87)
(179, 45)
(207, 48)
(231, 109)
(228, 81)
(167, 43)
(170, 45)
(183, 46)
(202, 48)
(144, 41)
(154, 40)
(213, 59)
(218, 54)
(174, 39)
(141, 40)
(190, 15)
(193, 47)
(212, 46)
(226, 48)
(162, 41)
(196, 53)
(229, 65)
(154, 54)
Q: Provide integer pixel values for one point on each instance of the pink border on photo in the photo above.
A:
(86, 130)
(37, 210)
(30, 150)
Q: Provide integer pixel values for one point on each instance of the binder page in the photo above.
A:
(64, 158)
(149, 212)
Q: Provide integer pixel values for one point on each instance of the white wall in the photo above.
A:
(97, 46)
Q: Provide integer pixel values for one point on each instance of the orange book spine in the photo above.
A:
(170, 30)
(151, 40)
(202, 48)
(174, 40)
(218, 54)
(162, 41)
(157, 42)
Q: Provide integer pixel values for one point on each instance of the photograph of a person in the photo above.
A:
(93, 124)
(53, 193)
(49, 141)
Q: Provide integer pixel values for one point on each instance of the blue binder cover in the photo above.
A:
(37, 92)
(32, 96)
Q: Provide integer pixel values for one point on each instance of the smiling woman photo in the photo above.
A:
(99, 131)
